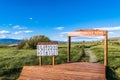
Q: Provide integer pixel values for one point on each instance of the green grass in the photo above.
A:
(113, 59)
(12, 60)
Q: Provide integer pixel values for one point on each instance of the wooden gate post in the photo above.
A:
(69, 45)
(106, 49)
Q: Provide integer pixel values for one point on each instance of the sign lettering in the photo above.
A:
(47, 49)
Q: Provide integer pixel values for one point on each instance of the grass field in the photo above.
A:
(12, 60)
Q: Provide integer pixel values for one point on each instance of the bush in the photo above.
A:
(21, 44)
(32, 42)
(26, 46)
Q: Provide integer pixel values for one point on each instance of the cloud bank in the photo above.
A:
(4, 32)
(21, 32)
(18, 27)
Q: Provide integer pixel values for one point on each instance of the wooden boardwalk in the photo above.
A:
(69, 71)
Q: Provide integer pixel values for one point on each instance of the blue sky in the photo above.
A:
(21, 19)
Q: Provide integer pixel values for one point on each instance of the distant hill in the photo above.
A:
(9, 41)
(114, 39)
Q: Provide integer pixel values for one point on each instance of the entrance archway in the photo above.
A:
(89, 33)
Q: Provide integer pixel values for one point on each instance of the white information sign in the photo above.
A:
(47, 50)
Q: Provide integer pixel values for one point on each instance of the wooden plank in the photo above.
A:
(71, 71)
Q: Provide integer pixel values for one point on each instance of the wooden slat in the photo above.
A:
(71, 71)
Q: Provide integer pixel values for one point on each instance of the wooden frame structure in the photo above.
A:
(89, 33)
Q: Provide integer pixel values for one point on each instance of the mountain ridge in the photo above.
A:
(9, 40)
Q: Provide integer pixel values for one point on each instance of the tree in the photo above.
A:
(32, 42)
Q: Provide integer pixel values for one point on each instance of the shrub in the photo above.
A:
(32, 42)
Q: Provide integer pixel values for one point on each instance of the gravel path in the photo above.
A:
(92, 56)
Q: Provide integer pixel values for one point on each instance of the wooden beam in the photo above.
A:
(69, 45)
(87, 33)
(106, 49)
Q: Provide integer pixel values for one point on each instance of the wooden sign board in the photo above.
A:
(88, 33)
(47, 49)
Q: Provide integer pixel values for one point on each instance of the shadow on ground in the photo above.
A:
(111, 75)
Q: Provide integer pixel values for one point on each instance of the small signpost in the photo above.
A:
(47, 49)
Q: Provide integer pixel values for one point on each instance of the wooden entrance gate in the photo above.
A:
(90, 33)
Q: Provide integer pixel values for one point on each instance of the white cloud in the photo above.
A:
(4, 32)
(3, 36)
(60, 37)
(109, 28)
(59, 28)
(27, 31)
(21, 32)
(63, 33)
(18, 27)
(111, 32)
(31, 18)
(18, 32)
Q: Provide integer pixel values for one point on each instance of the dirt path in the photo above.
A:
(91, 55)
